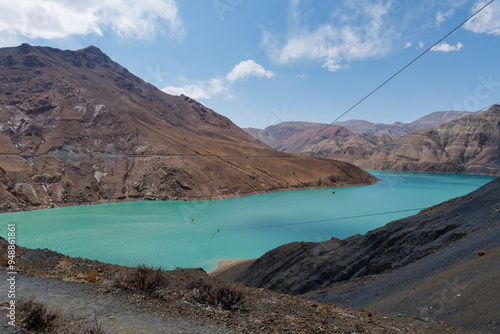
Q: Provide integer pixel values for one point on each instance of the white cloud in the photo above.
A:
(407, 45)
(443, 16)
(360, 31)
(247, 69)
(55, 19)
(487, 21)
(209, 88)
(445, 47)
(420, 45)
(201, 90)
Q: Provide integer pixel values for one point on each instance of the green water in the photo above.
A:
(181, 234)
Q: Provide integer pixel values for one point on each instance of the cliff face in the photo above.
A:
(76, 128)
(301, 267)
(468, 145)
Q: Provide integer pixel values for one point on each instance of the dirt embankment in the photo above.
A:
(186, 301)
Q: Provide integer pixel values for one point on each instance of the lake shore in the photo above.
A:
(183, 198)
(229, 269)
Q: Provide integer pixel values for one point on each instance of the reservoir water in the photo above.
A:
(184, 234)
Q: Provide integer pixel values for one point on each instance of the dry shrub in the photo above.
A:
(217, 294)
(90, 276)
(35, 315)
(142, 278)
(4, 261)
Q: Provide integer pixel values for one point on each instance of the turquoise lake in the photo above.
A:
(184, 234)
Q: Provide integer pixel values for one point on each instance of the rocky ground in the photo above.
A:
(441, 264)
(80, 290)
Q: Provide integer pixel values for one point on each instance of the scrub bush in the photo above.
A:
(142, 278)
(217, 294)
(34, 315)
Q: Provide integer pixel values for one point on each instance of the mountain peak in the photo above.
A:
(93, 50)
(57, 105)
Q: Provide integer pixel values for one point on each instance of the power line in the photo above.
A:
(321, 220)
(334, 219)
(394, 75)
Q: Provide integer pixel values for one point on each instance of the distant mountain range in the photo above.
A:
(78, 128)
(468, 144)
(399, 129)
(274, 134)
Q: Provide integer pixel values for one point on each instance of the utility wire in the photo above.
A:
(393, 76)
(334, 219)
(321, 220)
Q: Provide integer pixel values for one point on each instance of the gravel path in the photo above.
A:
(116, 313)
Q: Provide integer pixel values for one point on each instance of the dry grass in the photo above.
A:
(4, 261)
(90, 276)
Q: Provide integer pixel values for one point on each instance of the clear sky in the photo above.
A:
(261, 62)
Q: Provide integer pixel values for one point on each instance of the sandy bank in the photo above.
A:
(229, 269)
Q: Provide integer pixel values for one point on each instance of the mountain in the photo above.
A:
(78, 128)
(396, 129)
(423, 265)
(292, 136)
(466, 145)
(438, 118)
(277, 135)
(399, 129)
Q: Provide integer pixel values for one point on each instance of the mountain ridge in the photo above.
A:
(78, 128)
(465, 145)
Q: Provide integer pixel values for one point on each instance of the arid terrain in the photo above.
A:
(441, 263)
(465, 145)
(87, 295)
(77, 128)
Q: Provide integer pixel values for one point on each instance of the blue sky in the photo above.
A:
(263, 62)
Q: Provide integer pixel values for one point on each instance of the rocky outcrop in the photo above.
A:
(300, 267)
(78, 128)
(468, 145)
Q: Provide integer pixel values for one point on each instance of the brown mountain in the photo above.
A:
(293, 136)
(396, 129)
(277, 135)
(467, 145)
(399, 129)
(76, 128)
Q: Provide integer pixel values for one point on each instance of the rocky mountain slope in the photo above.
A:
(301, 267)
(467, 145)
(76, 128)
(399, 129)
(277, 135)
(294, 136)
